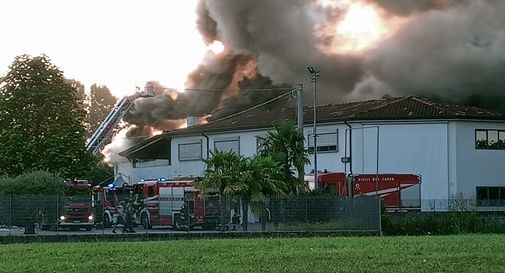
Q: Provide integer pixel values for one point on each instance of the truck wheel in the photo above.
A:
(209, 226)
(106, 221)
(177, 222)
(144, 221)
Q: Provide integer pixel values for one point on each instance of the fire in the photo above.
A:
(243, 70)
(360, 26)
(216, 47)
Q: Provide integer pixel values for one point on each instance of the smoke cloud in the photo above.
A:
(444, 49)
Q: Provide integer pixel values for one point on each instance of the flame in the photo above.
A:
(204, 119)
(155, 132)
(360, 26)
(243, 70)
(216, 47)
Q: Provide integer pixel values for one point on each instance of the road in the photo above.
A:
(19, 231)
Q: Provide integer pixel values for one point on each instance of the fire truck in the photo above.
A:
(78, 206)
(400, 192)
(108, 199)
(177, 204)
(160, 203)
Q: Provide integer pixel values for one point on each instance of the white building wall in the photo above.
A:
(412, 148)
(443, 153)
(191, 167)
(329, 161)
(143, 170)
(477, 167)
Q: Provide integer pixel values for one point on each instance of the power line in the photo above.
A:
(291, 89)
(241, 90)
(254, 107)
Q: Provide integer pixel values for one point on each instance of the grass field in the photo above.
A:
(464, 253)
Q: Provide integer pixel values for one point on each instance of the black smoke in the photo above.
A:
(444, 49)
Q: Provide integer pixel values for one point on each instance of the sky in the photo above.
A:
(120, 44)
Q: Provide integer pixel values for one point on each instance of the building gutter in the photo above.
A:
(207, 145)
(350, 146)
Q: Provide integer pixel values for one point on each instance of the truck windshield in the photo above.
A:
(78, 194)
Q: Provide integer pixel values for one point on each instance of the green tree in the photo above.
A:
(285, 143)
(79, 88)
(101, 102)
(41, 123)
(253, 179)
(99, 172)
(225, 173)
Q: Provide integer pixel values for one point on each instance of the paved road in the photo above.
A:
(20, 231)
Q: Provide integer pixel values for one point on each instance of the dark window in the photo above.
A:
(190, 151)
(490, 196)
(490, 139)
(326, 142)
(231, 144)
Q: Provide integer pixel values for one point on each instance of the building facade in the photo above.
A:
(458, 151)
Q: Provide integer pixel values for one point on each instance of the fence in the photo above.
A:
(461, 205)
(55, 214)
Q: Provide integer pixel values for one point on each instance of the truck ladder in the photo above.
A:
(100, 136)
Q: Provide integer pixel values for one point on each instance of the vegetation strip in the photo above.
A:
(461, 253)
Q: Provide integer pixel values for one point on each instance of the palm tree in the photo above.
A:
(253, 179)
(224, 172)
(285, 143)
(264, 179)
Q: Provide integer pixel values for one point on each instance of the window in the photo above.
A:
(190, 151)
(326, 142)
(490, 196)
(227, 144)
(490, 139)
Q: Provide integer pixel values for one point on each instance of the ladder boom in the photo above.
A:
(101, 135)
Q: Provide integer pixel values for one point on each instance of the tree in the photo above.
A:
(285, 144)
(41, 123)
(100, 171)
(252, 179)
(225, 172)
(101, 102)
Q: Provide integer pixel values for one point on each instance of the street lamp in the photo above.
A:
(314, 73)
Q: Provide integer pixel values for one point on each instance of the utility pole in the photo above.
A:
(299, 107)
(314, 72)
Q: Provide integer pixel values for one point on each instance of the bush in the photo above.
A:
(37, 182)
(24, 198)
(442, 223)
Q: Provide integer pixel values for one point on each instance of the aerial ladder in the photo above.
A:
(100, 136)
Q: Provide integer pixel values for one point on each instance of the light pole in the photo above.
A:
(314, 73)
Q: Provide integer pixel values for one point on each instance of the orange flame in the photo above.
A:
(360, 27)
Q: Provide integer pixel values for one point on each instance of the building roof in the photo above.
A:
(402, 108)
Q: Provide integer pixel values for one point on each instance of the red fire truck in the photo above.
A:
(399, 191)
(160, 203)
(108, 199)
(177, 204)
(78, 206)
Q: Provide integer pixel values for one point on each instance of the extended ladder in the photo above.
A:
(97, 141)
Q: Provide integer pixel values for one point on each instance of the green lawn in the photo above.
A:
(467, 253)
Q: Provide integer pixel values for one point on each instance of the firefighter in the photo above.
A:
(119, 215)
(129, 214)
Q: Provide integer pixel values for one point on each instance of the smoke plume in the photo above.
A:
(444, 49)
